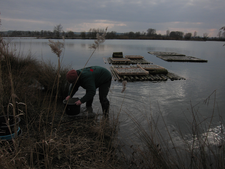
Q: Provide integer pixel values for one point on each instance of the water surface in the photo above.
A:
(174, 101)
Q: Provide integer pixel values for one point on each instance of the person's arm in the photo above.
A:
(72, 90)
(90, 93)
(89, 85)
(68, 97)
(78, 103)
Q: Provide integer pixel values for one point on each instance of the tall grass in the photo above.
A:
(203, 147)
(35, 91)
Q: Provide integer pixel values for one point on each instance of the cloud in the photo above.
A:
(25, 21)
(101, 24)
(118, 15)
(27, 24)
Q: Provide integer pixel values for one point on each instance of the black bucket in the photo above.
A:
(5, 127)
(71, 107)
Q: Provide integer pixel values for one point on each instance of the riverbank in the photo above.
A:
(49, 138)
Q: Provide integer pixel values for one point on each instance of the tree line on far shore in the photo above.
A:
(58, 33)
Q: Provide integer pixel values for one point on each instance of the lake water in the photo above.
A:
(170, 103)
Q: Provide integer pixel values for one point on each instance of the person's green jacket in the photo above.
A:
(90, 78)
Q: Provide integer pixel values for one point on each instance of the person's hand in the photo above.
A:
(78, 103)
(68, 97)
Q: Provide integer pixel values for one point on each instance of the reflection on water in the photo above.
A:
(171, 100)
(212, 138)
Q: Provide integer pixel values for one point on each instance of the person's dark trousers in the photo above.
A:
(89, 103)
(103, 92)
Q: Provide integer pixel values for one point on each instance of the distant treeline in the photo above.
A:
(91, 34)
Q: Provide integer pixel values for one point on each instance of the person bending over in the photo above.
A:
(90, 78)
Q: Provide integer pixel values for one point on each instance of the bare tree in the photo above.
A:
(187, 36)
(222, 30)
(221, 33)
(151, 32)
(176, 34)
(195, 34)
(205, 36)
(111, 35)
(58, 30)
(70, 34)
(168, 33)
(131, 34)
(83, 34)
(143, 33)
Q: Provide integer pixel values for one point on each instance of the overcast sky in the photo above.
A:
(202, 16)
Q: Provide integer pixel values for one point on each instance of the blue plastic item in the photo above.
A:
(11, 136)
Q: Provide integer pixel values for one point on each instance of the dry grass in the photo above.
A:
(75, 144)
(49, 140)
(201, 148)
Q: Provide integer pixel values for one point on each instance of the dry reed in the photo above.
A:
(202, 148)
(85, 143)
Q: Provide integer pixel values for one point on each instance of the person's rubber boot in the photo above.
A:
(89, 112)
(105, 108)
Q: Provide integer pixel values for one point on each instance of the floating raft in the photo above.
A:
(134, 70)
(130, 59)
(139, 73)
(124, 61)
(154, 69)
(166, 54)
(134, 57)
(176, 57)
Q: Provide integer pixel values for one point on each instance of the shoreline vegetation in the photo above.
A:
(123, 37)
(34, 91)
(150, 34)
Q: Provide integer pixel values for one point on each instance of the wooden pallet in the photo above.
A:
(153, 69)
(176, 57)
(166, 54)
(120, 60)
(150, 67)
(126, 61)
(134, 57)
(130, 70)
(181, 59)
(130, 77)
